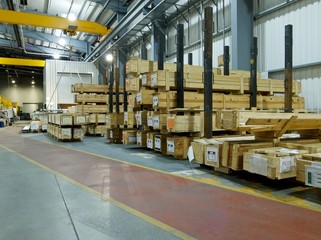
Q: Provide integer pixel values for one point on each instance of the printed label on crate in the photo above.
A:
(126, 116)
(139, 97)
(139, 139)
(138, 118)
(157, 143)
(66, 132)
(156, 122)
(313, 176)
(170, 146)
(287, 164)
(132, 139)
(67, 121)
(80, 119)
(149, 121)
(107, 119)
(154, 79)
(150, 144)
(111, 134)
(259, 165)
(144, 79)
(212, 154)
(155, 101)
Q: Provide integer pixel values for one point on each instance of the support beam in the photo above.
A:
(111, 85)
(180, 66)
(226, 57)
(288, 81)
(242, 32)
(143, 51)
(37, 20)
(208, 72)
(122, 73)
(190, 59)
(22, 62)
(117, 88)
(253, 86)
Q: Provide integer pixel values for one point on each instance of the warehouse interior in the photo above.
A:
(160, 119)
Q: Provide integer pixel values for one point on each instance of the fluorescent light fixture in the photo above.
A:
(72, 17)
(109, 57)
(62, 41)
(56, 56)
(13, 81)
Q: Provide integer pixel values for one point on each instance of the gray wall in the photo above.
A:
(22, 91)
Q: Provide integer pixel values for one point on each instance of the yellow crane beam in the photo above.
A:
(22, 62)
(38, 20)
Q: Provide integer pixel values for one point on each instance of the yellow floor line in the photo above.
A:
(292, 201)
(128, 209)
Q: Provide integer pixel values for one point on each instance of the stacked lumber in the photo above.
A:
(66, 126)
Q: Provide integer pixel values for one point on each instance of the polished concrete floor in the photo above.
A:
(94, 190)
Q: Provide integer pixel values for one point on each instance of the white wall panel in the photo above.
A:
(51, 77)
(305, 18)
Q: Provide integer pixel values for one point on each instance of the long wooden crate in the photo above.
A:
(87, 109)
(167, 100)
(79, 119)
(274, 163)
(177, 146)
(91, 98)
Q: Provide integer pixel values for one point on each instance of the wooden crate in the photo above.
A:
(160, 122)
(89, 88)
(199, 146)
(96, 130)
(170, 146)
(310, 147)
(135, 65)
(114, 135)
(114, 119)
(213, 153)
(141, 118)
(64, 119)
(79, 119)
(274, 163)
(133, 84)
(160, 144)
(129, 118)
(145, 97)
(132, 102)
(129, 137)
(64, 133)
(181, 145)
(77, 133)
(150, 118)
(87, 109)
(307, 160)
(146, 79)
(91, 98)
(150, 139)
(142, 138)
(163, 78)
(96, 118)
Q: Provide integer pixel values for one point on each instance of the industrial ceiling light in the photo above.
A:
(109, 57)
(13, 81)
(72, 17)
(56, 56)
(62, 42)
(32, 82)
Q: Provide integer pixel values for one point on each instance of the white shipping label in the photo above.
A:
(66, 131)
(144, 79)
(313, 176)
(139, 139)
(126, 116)
(149, 121)
(111, 134)
(259, 165)
(150, 144)
(155, 101)
(154, 79)
(67, 121)
(157, 143)
(139, 119)
(170, 146)
(139, 97)
(132, 139)
(212, 154)
(287, 164)
(156, 122)
(107, 119)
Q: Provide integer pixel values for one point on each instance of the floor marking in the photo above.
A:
(128, 209)
(213, 182)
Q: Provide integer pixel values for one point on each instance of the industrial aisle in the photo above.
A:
(158, 205)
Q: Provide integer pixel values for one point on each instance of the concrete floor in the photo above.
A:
(51, 201)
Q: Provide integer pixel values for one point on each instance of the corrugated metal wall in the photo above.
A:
(51, 80)
(305, 17)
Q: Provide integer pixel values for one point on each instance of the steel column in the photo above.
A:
(208, 72)
(190, 59)
(253, 84)
(288, 68)
(117, 88)
(160, 52)
(226, 57)
(122, 69)
(143, 51)
(111, 84)
(180, 66)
